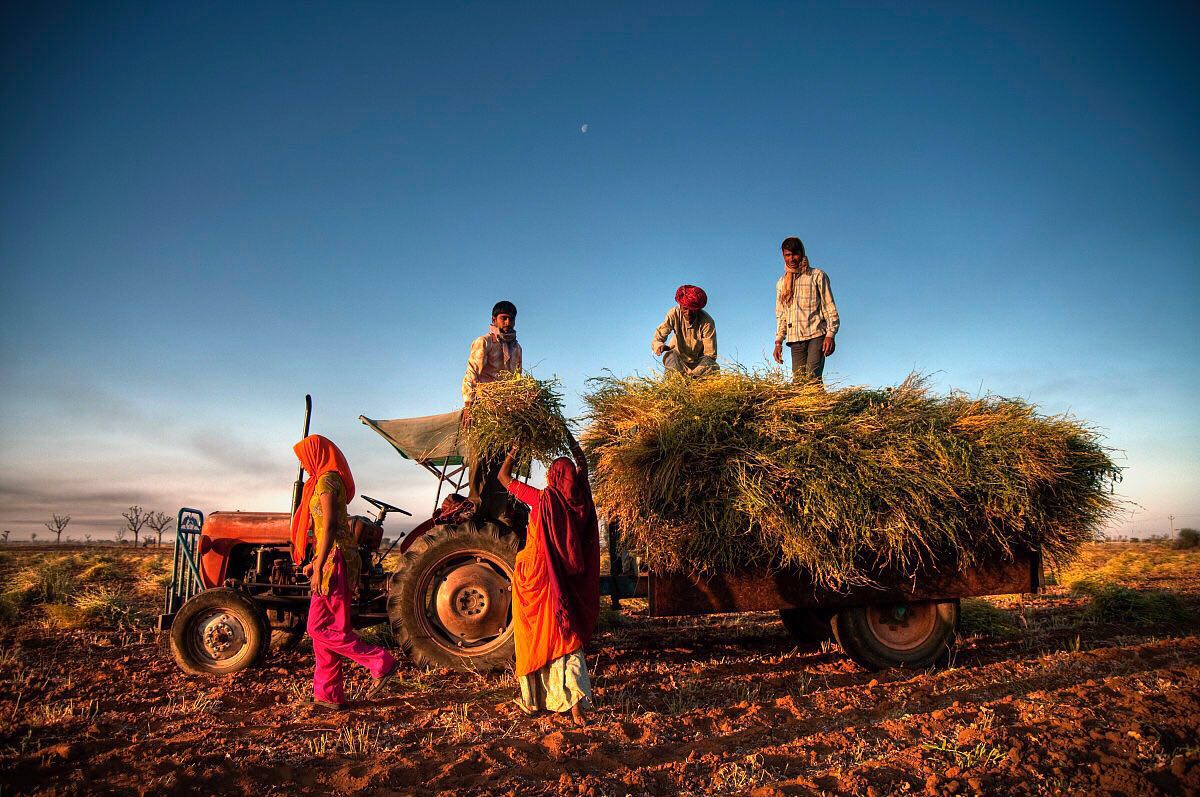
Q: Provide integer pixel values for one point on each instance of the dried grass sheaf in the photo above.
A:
(748, 469)
(523, 410)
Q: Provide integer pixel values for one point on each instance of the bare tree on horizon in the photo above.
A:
(159, 521)
(56, 527)
(119, 535)
(135, 518)
(4, 535)
(87, 538)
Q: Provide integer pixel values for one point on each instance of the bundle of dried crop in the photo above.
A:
(522, 410)
(748, 469)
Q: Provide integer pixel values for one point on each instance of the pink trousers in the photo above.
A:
(334, 639)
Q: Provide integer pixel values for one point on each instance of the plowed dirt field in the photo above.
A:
(1062, 693)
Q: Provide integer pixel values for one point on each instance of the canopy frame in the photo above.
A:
(433, 442)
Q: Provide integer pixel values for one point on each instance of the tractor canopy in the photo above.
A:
(432, 440)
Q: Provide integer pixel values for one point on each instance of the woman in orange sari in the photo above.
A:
(556, 587)
(333, 572)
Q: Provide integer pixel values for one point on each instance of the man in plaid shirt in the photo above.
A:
(805, 316)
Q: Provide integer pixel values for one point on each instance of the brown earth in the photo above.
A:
(1043, 698)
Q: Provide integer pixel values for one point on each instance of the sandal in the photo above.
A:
(378, 684)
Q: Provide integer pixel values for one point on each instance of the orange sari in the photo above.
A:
(556, 586)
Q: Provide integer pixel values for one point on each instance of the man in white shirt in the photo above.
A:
(492, 356)
(806, 317)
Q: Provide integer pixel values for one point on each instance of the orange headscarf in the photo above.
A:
(318, 455)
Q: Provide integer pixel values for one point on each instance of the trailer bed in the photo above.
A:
(676, 594)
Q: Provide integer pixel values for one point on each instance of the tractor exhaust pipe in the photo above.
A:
(298, 487)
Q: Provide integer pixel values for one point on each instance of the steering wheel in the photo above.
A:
(384, 505)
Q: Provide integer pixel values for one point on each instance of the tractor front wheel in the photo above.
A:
(218, 632)
(884, 635)
(450, 601)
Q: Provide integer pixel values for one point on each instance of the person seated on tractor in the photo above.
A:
(694, 352)
(333, 573)
(493, 356)
(556, 587)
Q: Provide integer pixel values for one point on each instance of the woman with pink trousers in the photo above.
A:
(333, 572)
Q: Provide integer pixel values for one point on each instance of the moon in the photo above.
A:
(583, 129)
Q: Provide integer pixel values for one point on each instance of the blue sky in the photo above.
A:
(209, 209)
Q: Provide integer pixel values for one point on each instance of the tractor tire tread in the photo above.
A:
(401, 596)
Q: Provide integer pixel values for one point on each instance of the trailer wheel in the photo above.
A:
(218, 632)
(450, 601)
(808, 625)
(897, 634)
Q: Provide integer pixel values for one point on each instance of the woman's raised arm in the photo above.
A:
(505, 475)
(581, 463)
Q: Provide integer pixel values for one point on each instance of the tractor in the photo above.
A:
(235, 591)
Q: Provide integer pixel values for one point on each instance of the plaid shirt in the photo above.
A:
(812, 313)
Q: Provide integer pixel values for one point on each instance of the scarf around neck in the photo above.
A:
(789, 280)
(506, 340)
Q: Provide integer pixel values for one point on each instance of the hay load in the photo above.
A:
(519, 409)
(749, 470)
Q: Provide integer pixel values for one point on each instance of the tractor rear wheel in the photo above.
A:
(884, 635)
(808, 625)
(450, 601)
(218, 632)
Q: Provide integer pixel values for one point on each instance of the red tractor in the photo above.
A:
(448, 601)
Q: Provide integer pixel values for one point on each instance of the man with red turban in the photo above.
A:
(694, 351)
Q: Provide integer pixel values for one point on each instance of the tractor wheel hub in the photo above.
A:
(472, 602)
(221, 636)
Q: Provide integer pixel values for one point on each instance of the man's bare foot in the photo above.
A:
(578, 717)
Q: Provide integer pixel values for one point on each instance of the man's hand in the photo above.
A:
(778, 354)
(827, 346)
(466, 416)
(658, 349)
